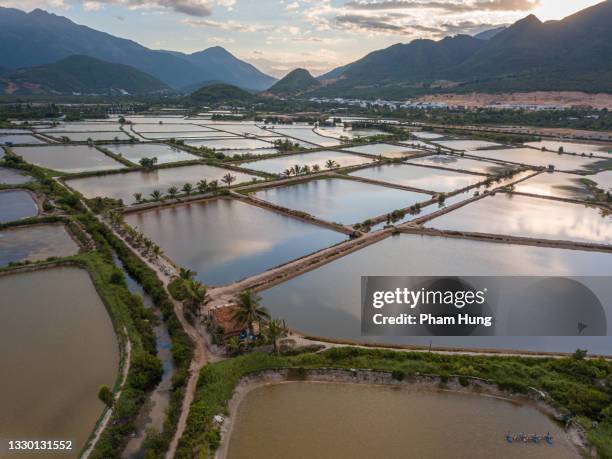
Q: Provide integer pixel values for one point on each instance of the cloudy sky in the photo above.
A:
(279, 35)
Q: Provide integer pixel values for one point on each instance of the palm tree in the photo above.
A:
(202, 186)
(234, 345)
(213, 185)
(195, 293)
(187, 188)
(330, 164)
(156, 195)
(297, 169)
(186, 274)
(306, 169)
(276, 329)
(249, 310)
(288, 172)
(316, 168)
(228, 179)
(138, 197)
(172, 191)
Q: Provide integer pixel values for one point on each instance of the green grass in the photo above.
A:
(578, 387)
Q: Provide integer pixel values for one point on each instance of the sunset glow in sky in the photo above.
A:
(279, 35)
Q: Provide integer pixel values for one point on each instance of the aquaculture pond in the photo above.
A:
(307, 135)
(99, 126)
(427, 135)
(243, 129)
(87, 136)
(68, 158)
(55, 325)
(165, 128)
(340, 131)
(524, 216)
(564, 185)
(238, 143)
(383, 149)
(200, 135)
(466, 145)
(326, 420)
(280, 164)
(35, 243)
(253, 152)
(19, 139)
(465, 164)
(125, 185)
(338, 287)
(16, 204)
(163, 153)
(226, 240)
(529, 156)
(13, 176)
(572, 147)
(341, 200)
(424, 178)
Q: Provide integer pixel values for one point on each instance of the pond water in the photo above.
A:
(13, 176)
(35, 243)
(467, 145)
(62, 349)
(280, 164)
(294, 141)
(163, 153)
(384, 149)
(238, 143)
(571, 147)
(456, 162)
(86, 136)
(165, 128)
(341, 200)
(424, 178)
(243, 130)
(124, 185)
(427, 135)
(203, 134)
(327, 420)
(566, 163)
(338, 287)
(84, 127)
(226, 240)
(564, 185)
(525, 216)
(21, 139)
(14, 131)
(68, 158)
(153, 413)
(307, 135)
(15, 205)
(339, 131)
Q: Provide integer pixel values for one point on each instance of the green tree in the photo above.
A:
(187, 188)
(156, 195)
(275, 330)
(228, 179)
(202, 186)
(138, 197)
(106, 395)
(173, 191)
(249, 310)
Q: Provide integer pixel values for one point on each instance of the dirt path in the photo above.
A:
(109, 412)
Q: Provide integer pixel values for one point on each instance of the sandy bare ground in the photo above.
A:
(566, 99)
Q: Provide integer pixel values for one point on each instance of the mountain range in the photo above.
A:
(572, 54)
(38, 38)
(296, 82)
(82, 75)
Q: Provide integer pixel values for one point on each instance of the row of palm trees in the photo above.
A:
(187, 189)
(135, 237)
(297, 169)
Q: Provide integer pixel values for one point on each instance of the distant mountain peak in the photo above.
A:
(295, 82)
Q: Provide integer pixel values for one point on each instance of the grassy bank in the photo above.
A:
(576, 386)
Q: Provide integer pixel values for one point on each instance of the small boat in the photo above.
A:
(548, 438)
(509, 438)
(535, 439)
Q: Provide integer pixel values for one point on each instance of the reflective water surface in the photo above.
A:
(338, 287)
(340, 200)
(466, 164)
(225, 240)
(19, 139)
(281, 163)
(15, 205)
(68, 158)
(123, 186)
(327, 420)
(13, 176)
(572, 147)
(384, 149)
(529, 217)
(564, 185)
(163, 153)
(467, 145)
(63, 348)
(35, 243)
(424, 178)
